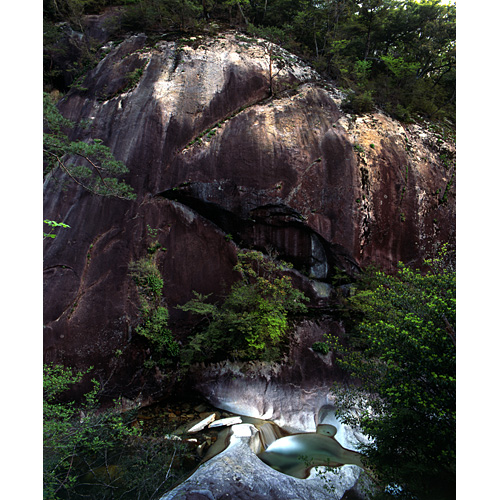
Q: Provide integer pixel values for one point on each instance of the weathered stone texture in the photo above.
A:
(217, 165)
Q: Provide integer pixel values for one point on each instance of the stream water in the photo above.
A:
(297, 454)
(292, 454)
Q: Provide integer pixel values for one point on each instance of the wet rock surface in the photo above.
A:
(290, 393)
(237, 473)
(225, 464)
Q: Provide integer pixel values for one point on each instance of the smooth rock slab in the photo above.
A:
(201, 425)
(238, 474)
(225, 422)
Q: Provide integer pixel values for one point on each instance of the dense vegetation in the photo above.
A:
(399, 55)
(253, 320)
(153, 312)
(92, 453)
(100, 454)
(403, 352)
(400, 351)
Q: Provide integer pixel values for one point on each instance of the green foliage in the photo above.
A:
(252, 321)
(133, 79)
(399, 55)
(200, 306)
(73, 10)
(359, 103)
(154, 246)
(405, 358)
(155, 328)
(362, 71)
(277, 61)
(357, 147)
(154, 316)
(90, 164)
(157, 15)
(53, 224)
(321, 347)
(148, 280)
(95, 453)
(67, 57)
(399, 67)
(75, 438)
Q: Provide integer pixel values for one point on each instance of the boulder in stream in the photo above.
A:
(238, 474)
(225, 422)
(201, 425)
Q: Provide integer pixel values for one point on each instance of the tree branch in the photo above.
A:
(94, 166)
(63, 166)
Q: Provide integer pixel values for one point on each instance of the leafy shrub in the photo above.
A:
(148, 280)
(321, 347)
(154, 327)
(401, 113)
(359, 103)
(404, 355)
(153, 320)
(93, 453)
(75, 438)
(138, 17)
(252, 321)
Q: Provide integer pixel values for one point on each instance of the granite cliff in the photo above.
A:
(218, 164)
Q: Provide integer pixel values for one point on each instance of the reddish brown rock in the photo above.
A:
(218, 165)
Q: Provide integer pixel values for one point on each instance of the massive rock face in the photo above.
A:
(218, 164)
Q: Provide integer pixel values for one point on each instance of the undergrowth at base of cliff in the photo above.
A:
(402, 352)
(93, 453)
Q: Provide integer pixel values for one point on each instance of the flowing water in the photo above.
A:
(297, 454)
(292, 454)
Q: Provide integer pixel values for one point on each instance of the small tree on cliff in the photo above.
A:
(253, 319)
(90, 164)
(404, 354)
(277, 62)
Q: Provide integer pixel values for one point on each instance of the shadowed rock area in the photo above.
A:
(218, 164)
